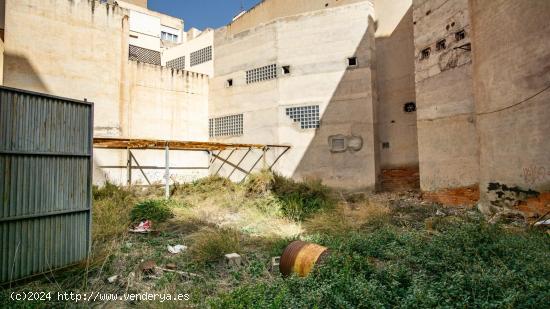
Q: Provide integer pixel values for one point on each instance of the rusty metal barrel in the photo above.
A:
(300, 257)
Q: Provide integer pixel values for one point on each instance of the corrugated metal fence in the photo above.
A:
(45, 182)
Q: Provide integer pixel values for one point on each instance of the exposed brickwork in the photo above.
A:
(464, 196)
(400, 179)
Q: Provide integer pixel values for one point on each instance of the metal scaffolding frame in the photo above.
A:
(214, 150)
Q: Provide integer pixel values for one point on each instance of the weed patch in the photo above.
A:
(154, 210)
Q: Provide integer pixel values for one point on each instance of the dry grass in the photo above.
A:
(348, 217)
(210, 245)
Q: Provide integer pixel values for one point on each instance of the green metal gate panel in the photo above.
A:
(45, 182)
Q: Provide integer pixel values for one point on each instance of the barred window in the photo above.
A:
(144, 55)
(201, 56)
(308, 116)
(176, 64)
(260, 74)
(226, 126)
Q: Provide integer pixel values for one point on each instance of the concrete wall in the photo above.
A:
(142, 3)
(512, 91)
(204, 39)
(1, 61)
(447, 138)
(269, 10)
(80, 50)
(395, 85)
(319, 76)
(71, 49)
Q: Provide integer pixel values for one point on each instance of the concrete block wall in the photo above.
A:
(316, 45)
(447, 133)
(511, 72)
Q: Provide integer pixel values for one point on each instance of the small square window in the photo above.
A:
(425, 53)
(352, 61)
(386, 145)
(229, 83)
(460, 35)
(285, 70)
(441, 45)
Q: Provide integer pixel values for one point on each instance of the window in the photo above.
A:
(229, 83)
(261, 74)
(441, 45)
(165, 36)
(201, 56)
(385, 145)
(425, 53)
(177, 64)
(460, 35)
(352, 61)
(226, 126)
(285, 70)
(308, 116)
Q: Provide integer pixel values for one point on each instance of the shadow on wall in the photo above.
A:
(397, 121)
(343, 152)
(20, 73)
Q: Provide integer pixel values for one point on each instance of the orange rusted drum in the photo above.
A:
(299, 257)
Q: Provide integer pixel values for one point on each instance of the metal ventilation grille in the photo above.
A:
(226, 126)
(308, 116)
(177, 64)
(201, 56)
(260, 74)
(144, 55)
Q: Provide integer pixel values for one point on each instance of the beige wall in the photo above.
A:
(142, 3)
(316, 46)
(80, 50)
(269, 10)
(70, 49)
(204, 39)
(447, 138)
(1, 62)
(512, 76)
(395, 83)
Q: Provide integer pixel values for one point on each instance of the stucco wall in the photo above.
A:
(269, 10)
(142, 3)
(205, 39)
(395, 82)
(512, 91)
(447, 138)
(79, 49)
(316, 46)
(68, 48)
(1, 62)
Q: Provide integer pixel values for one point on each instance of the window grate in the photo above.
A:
(261, 74)
(226, 126)
(201, 56)
(176, 64)
(144, 55)
(308, 116)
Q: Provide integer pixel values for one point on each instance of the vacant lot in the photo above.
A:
(388, 250)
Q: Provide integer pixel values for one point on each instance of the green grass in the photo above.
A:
(387, 251)
(469, 265)
(155, 210)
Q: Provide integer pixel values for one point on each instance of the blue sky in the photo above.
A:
(201, 13)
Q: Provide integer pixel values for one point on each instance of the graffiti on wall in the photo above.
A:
(536, 174)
